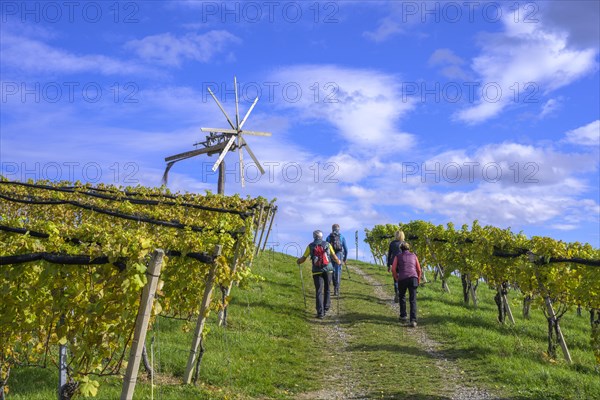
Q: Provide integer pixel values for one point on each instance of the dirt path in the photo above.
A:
(340, 382)
(449, 369)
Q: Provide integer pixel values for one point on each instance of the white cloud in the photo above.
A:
(402, 18)
(580, 19)
(587, 135)
(452, 65)
(445, 56)
(524, 54)
(168, 49)
(550, 107)
(388, 27)
(507, 164)
(364, 106)
(35, 56)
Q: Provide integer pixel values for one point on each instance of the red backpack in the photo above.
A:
(319, 255)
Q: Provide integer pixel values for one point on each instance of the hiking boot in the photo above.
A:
(403, 320)
(336, 292)
(413, 324)
(396, 298)
(320, 316)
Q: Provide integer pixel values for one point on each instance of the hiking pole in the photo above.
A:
(338, 302)
(347, 269)
(302, 280)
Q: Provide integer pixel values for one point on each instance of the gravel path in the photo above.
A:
(449, 369)
(339, 382)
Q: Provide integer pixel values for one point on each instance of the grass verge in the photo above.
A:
(510, 359)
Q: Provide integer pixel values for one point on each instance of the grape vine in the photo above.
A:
(554, 273)
(73, 262)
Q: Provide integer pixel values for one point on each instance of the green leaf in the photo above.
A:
(89, 388)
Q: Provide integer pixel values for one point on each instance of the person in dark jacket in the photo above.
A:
(393, 250)
(321, 273)
(338, 243)
(407, 271)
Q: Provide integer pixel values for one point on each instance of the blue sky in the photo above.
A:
(381, 112)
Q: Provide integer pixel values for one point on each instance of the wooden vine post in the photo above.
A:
(502, 303)
(552, 320)
(270, 227)
(258, 223)
(204, 307)
(438, 267)
(508, 310)
(262, 232)
(222, 318)
(141, 325)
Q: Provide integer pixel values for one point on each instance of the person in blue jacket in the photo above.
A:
(338, 243)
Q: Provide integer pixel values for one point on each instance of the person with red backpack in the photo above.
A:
(320, 253)
(338, 243)
(407, 272)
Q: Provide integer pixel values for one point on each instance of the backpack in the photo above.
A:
(394, 251)
(336, 242)
(319, 256)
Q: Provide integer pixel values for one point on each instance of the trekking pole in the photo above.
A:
(347, 269)
(302, 280)
(338, 302)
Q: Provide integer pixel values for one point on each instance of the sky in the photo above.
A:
(380, 112)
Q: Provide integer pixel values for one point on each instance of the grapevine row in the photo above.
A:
(70, 293)
(555, 274)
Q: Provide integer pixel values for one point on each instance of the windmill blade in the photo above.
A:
(223, 153)
(239, 145)
(255, 133)
(219, 130)
(248, 113)
(245, 144)
(221, 107)
(237, 113)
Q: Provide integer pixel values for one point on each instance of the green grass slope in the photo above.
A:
(272, 347)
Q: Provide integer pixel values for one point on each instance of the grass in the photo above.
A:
(386, 360)
(264, 352)
(508, 358)
(271, 348)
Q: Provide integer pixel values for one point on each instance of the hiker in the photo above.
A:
(407, 272)
(338, 244)
(320, 251)
(393, 250)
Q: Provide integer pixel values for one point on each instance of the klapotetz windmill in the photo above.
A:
(221, 141)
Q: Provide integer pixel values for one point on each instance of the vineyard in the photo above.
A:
(86, 268)
(551, 274)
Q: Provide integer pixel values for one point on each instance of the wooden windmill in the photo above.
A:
(220, 141)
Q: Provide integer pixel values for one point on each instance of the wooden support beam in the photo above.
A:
(204, 308)
(141, 325)
(270, 227)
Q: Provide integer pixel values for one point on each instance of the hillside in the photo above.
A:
(273, 347)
